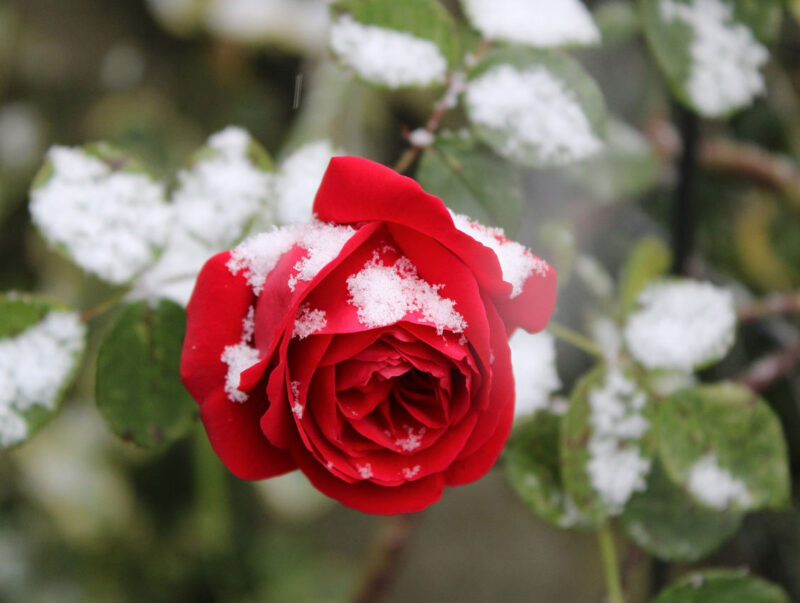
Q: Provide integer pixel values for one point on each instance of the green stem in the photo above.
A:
(573, 337)
(212, 505)
(104, 306)
(608, 553)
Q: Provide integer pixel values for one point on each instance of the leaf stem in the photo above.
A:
(574, 338)
(103, 307)
(772, 305)
(608, 553)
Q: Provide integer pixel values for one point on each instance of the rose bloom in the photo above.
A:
(369, 349)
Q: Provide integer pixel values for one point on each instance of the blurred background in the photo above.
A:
(85, 517)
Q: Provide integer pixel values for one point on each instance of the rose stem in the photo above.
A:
(391, 544)
(442, 106)
(766, 371)
(608, 553)
(103, 307)
(576, 339)
(775, 304)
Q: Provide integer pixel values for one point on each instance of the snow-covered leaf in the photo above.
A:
(538, 23)
(472, 180)
(537, 108)
(712, 51)
(681, 324)
(721, 586)
(139, 392)
(666, 522)
(298, 180)
(101, 210)
(627, 166)
(606, 442)
(41, 346)
(533, 358)
(534, 472)
(648, 260)
(395, 44)
(725, 446)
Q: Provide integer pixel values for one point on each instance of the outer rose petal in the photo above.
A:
(236, 437)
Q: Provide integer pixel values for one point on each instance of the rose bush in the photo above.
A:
(368, 350)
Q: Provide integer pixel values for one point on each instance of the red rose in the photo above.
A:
(368, 350)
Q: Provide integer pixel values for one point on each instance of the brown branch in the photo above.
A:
(772, 305)
(771, 368)
(454, 85)
(392, 542)
(722, 154)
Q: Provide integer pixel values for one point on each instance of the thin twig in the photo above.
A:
(393, 540)
(769, 369)
(455, 84)
(772, 305)
(608, 553)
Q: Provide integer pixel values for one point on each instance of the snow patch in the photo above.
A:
(536, 114)
(365, 470)
(413, 439)
(239, 358)
(541, 23)
(298, 181)
(111, 223)
(308, 321)
(384, 295)
(716, 487)
(516, 262)
(533, 359)
(410, 473)
(385, 56)
(726, 57)
(616, 466)
(34, 368)
(681, 325)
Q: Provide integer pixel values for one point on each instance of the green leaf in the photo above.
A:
(534, 472)
(627, 166)
(537, 108)
(472, 180)
(721, 586)
(425, 20)
(606, 442)
(725, 446)
(649, 260)
(138, 386)
(41, 347)
(714, 85)
(617, 22)
(666, 522)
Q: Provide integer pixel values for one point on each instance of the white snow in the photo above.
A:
(537, 115)
(223, 190)
(34, 368)
(309, 321)
(533, 359)
(239, 358)
(541, 23)
(410, 473)
(606, 334)
(413, 439)
(365, 470)
(111, 223)
(298, 180)
(716, 487)
(681, 325)
(384, 295)
(385, 56)
(258, 255)
(421, 137)
(616, 466)
(517, 263)
(725, 56)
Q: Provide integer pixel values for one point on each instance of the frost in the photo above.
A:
(533, 359)
(111, 223)
(725, 56)
(297, 25)
(384, 56)
(34, 368)
(516, 262)
(616, 466)
(259, 254)
(534, 112)
(384, 295)
(298, 181)
(222, 191)
(308, 322)
(681, 325)
(541, 23)
(715, 486)
(297, 408)
(365, 470)
(413, 439)
(239, 358)
(410, 473)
